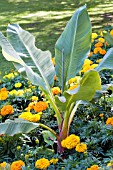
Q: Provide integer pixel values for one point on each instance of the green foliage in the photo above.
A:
(70, 96)
(73, 45)
(38, 64)
(91, 77)
(87, 124)
(90, 121)
(49, 138)
(51, 17)
(106, 63)
(18, 126)
(26, 54)
(106, 76)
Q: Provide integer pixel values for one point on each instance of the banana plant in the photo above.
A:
(71, 49)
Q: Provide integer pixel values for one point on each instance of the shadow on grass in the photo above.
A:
(46, 19)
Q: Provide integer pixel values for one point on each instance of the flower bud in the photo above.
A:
(18, 148)
(37, 141)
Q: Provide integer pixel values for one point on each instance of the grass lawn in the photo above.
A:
(46, 19)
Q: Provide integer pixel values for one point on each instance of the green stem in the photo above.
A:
(51, 99)
(60, 149)
(48, 128)
(65, 128)
(73, 112)
(62, 70)
(58, 115)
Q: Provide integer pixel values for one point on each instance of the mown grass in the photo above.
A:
(46, 19)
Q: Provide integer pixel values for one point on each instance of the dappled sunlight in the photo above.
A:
(18, 1)
(101, 15)
(63, 105)
(21, 11)
(50, 14)
(97, 27)
(48, 18)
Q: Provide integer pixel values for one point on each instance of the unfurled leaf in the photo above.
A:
(89, 84)
(49, 138)
(26, 57)
(12, 127)
(73, 46)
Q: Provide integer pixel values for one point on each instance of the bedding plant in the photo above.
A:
(56, 113)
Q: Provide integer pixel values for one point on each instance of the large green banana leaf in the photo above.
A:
(37, 64)
(107, 61)
(88, 86)
(86, 90)
(17, 126)
(73, 46)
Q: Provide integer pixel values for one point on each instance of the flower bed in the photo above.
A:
(27, 109)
